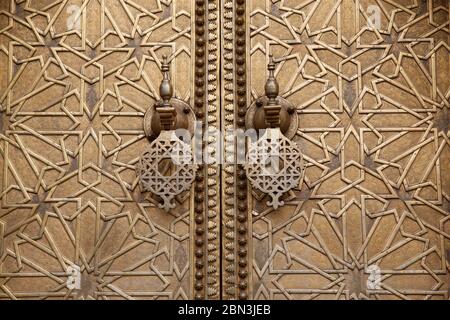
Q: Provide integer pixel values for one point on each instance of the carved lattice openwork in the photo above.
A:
(274, 165)
(153, 178)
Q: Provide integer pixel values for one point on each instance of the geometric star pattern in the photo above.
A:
(373, 130)
(77, 76)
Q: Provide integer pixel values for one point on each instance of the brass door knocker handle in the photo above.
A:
(274, 163)
(166, 168)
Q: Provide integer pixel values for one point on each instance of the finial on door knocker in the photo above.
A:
(167, 112)
(272, 108)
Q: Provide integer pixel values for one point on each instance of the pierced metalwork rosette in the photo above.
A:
(274, 165)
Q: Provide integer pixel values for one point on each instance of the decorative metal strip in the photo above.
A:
(235, 213)
(228, 174)
(240, 40)
(207, 188)
(213, 172)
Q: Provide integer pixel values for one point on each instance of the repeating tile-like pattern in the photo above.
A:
(76, 79)
(369, 79)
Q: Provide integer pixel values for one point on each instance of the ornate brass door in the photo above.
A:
(358, 89)
(76, 80)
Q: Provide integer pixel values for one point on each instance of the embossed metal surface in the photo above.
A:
(372, 94)
(76, 80)
(371, 219)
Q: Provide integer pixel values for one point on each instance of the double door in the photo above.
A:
(357, 92)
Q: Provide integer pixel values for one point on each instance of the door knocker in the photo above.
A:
(274, 163)
(166, 168)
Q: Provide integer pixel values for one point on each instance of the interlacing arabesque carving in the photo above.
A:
(371, 219)
(76, 80)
